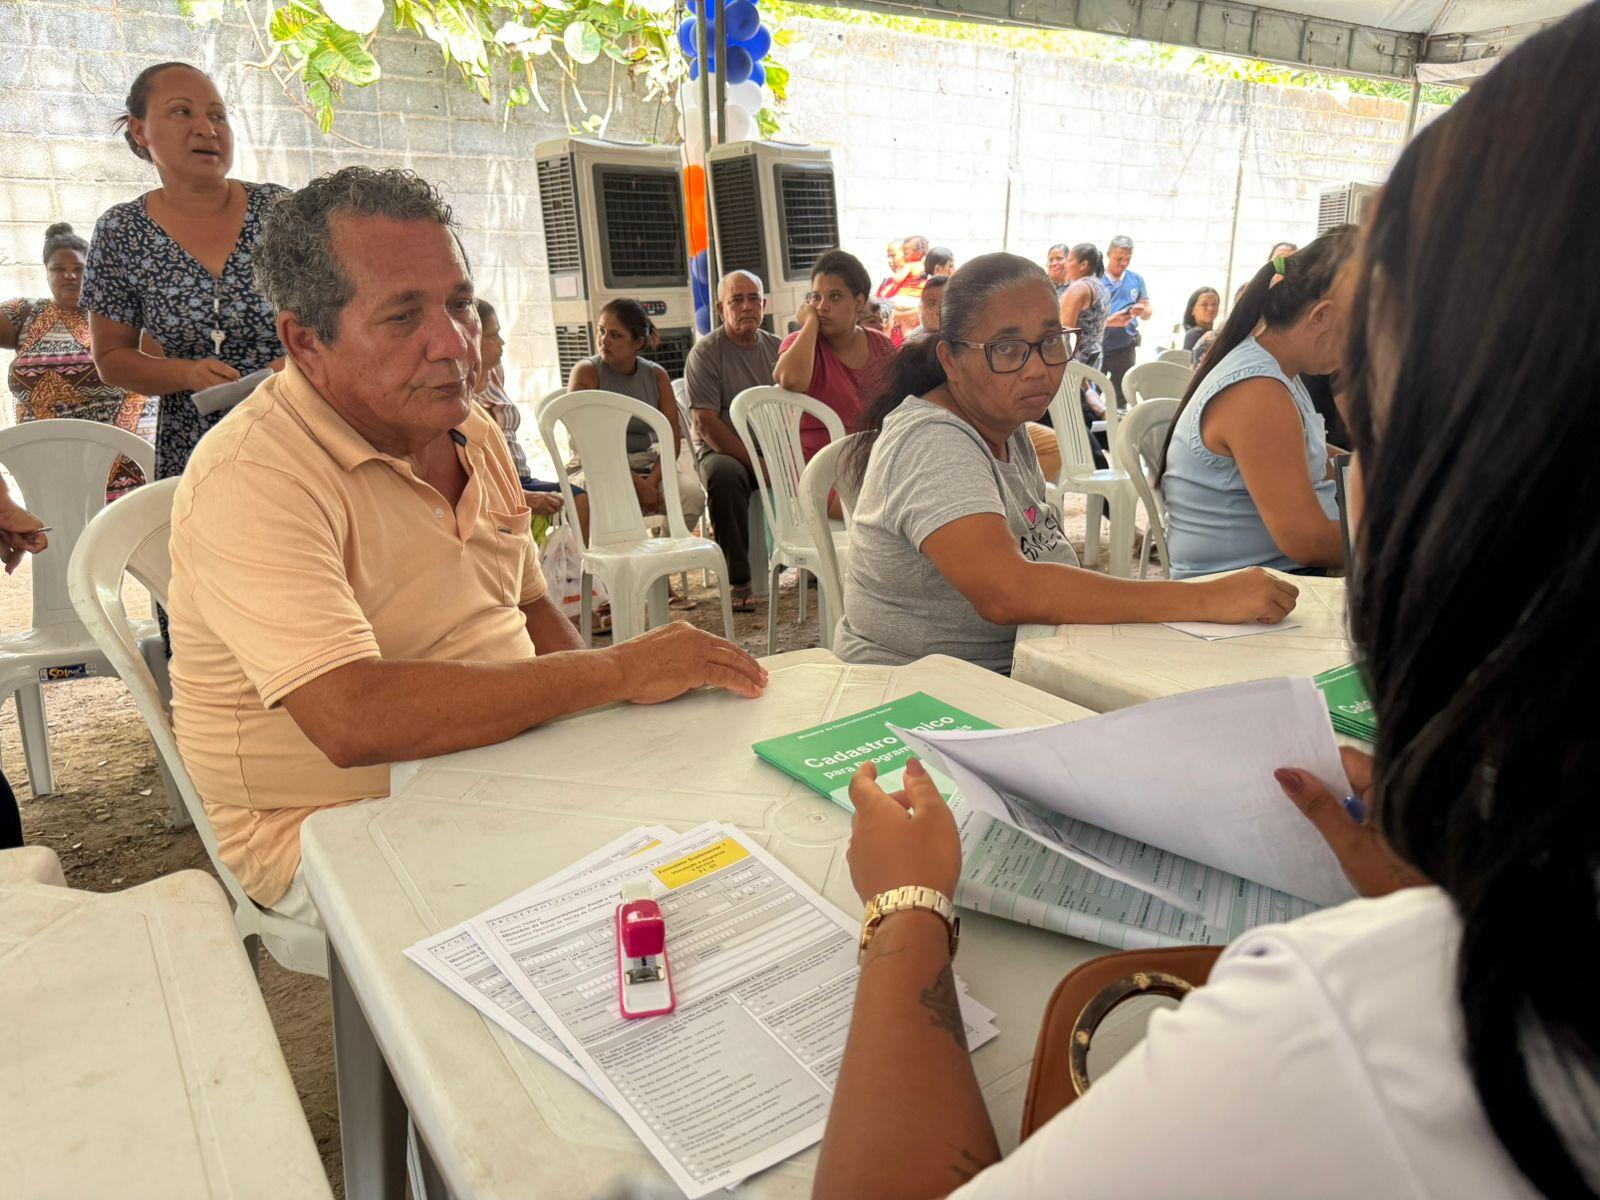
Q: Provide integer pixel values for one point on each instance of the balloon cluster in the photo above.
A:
(748, 42)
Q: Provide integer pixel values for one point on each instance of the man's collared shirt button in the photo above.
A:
(438, 512)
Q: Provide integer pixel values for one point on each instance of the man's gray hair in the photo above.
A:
(741, 274)
(1121, 242)
(296, 268)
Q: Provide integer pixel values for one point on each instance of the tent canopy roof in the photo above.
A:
(1451, 41)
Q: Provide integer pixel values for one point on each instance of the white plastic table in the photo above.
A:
(140, 1060)
(1105, 667)
(464, 831)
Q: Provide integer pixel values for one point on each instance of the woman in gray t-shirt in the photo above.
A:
(953, 545)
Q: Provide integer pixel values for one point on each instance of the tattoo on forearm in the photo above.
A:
(944, 1006)
(968, 1166)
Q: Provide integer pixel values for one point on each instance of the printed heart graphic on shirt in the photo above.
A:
(1032, 513)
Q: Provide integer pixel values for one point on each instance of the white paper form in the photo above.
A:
(1186, 777)
(455, 959)
(1211, 631)
(740, 1077)
(1010, 874)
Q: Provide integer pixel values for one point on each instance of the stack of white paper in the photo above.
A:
(741, 1075)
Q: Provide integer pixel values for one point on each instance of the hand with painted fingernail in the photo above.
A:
(1372, 868)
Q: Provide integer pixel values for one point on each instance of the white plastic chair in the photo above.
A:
(1154, 381)
(60, 466)
(817, 481)
(620, 550)
(1079, 473)
(767, 420)
(131, 537)
(1141, 434)
(1184, 358)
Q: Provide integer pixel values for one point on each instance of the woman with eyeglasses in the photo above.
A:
(832, 357)
(954, 545)
(1439, 1038)
(1247, 473)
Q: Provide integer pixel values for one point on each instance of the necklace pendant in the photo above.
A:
(217, 338)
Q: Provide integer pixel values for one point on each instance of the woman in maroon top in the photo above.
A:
(831, 358)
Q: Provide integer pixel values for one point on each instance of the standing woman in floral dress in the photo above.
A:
(53, 373)
(176, 262)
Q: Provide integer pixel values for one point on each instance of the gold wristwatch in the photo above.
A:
(912, 896)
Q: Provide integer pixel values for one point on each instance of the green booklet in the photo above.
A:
(824, 757)
(1349, 706)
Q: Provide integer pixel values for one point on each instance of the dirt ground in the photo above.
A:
(107, 819)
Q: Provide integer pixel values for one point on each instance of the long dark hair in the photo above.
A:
(1307, 277)
(916, 369)
(1486, 765)
(1194, 298)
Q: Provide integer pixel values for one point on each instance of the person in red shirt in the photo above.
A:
(831, 358)
(897, 271)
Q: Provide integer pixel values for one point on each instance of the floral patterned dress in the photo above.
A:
(138, 276)
(53, 375)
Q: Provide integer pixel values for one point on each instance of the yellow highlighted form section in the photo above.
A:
(701, 863)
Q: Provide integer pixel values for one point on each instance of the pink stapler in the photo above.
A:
(644, 983)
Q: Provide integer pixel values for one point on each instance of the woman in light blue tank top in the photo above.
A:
(1247, 483)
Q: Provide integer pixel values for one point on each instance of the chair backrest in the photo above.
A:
(680, 393)
(597, 423)
(1155, 381)
(1184, 358)
(817, 481)
(1140, 437)
(767, 420)
(131, 537)
(1066, 418)
(61, 466)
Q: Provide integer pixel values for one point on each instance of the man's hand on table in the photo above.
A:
(673, 659)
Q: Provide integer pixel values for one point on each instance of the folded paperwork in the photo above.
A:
(740, 1077)
(1211, 631)
(221, 397)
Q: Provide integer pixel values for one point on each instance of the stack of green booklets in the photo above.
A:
(1348, 703)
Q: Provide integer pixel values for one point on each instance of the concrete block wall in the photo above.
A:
(977, 146)
(67, 68)
(983, 148)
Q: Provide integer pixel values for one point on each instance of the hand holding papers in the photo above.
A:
(1191, 774)
(223, 396)
(1083, 828)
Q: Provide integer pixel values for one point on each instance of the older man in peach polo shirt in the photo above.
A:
(353, 581)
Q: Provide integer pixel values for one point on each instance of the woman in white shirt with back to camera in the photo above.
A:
(1440, 1038)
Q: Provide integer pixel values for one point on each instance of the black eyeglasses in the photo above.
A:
(1009, 355)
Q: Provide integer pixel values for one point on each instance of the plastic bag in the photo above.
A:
(561, 560)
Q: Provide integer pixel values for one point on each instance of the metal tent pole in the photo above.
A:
(713, 266)
(1412, 111)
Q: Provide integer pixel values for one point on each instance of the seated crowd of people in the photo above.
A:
(354, 584)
